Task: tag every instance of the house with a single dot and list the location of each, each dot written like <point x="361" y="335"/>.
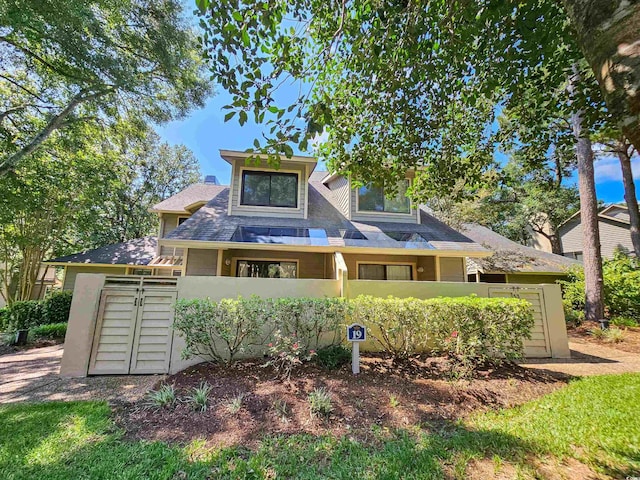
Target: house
<point x="614" y="226"/>
<point x="45" y="282"/>
<point x="512" y="262"/>
<point x="280" y="232"/>
<point x="286" y="223"/>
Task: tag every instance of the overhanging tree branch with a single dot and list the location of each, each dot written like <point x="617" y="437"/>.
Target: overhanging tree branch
<point x="55" y="123"/>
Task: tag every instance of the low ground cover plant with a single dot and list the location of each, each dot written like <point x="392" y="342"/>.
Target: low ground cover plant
<point x="333" y="357"/>
<point x="165" y="396"/>
<point x="320" y="404"/>
<point x="199" y="397"/>
<point x="51" y="331"/>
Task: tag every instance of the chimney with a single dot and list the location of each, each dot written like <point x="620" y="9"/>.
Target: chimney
<point x="211" y="180"/>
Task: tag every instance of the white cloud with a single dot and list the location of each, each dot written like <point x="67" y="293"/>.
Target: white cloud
<point x="607" y="169"/>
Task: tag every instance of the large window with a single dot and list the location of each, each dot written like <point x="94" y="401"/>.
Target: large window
<point x="266" y="269"/>
<point x="369" y="271"/>
<point x="373" y="199"/>
<point x="269" y="189"/>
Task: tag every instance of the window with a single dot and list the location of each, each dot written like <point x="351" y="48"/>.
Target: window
<point x="367" y="271"/>
<point x="181" y="220"/>
<point x="266" y="269"/>
<point x="269" y="189"/>
<point x="373" y="199"/>
<point x="575" y="255"/>
<point x="282" y="235"/>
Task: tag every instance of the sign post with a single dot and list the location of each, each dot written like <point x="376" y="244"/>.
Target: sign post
<point x="356" y="333"/>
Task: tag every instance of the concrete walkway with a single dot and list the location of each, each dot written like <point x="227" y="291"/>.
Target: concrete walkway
<point x="32" y="375"/>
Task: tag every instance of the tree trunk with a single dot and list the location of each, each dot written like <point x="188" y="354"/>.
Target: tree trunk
<point x="609" y="36"/>
<point x="556" y="244"/>
<point x="592" y="258"/>
<point x="630" y="197"/>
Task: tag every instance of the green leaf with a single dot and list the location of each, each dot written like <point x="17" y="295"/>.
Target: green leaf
<point x="237" y="16"/>
<point x="242" y="117"/>
<point x="229" y="116"/>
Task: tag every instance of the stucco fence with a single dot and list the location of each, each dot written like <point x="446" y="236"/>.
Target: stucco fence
<point x="122" y="325"/>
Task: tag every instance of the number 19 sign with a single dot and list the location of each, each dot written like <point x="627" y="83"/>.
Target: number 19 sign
<point x="356" y="333"/>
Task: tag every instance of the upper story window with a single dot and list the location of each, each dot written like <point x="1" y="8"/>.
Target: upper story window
<point x="269" y="189"/>
<point x="373" y="199"/>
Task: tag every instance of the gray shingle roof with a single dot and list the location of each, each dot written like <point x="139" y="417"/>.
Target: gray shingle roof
<point x="139" y="251"/>
<point x="212" y="224"/>
<point x="198" y="192"/>
<point x="512" y="257"/>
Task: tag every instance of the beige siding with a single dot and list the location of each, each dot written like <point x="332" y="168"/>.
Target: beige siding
<point x="70" y="277"/>
<point x="173" y="251"/>
<point x="201" y="261"/>
<point x="288" y="167"/>
<point x="341" y="189"/>
<point x="613" y="235"/>
<point x="452" y="269"/>
<point x="310" y="265"/>
<point x="168" y="223"/>
<point x="379" y="216"/>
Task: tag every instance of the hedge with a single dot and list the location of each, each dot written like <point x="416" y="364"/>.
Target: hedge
<point x="24" y="315"/>
<point x="472" y="329"/>
<point x="49" y="331"/>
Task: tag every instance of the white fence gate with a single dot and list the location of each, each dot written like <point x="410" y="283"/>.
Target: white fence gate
<point x="133" y="330"/>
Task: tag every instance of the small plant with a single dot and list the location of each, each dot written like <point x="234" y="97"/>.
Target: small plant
<point x="199" y="397"/>
<point x="609" y="335"/>
<point x="165" y="396"/>
<point x="50" y="331"/>
<point x="281" y="407"/>
<point x="393" y="401"/>
<point x="333" y="357"/>
<point x="235" y="404"/>
<point x="285" y="353"/>
<point x="624" y="322"/>
<point x="320" y="402"/>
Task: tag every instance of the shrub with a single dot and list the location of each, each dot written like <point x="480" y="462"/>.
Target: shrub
<point x="621" y="287"/>
<point x="471" y="329"/>
<point x="572" y="316"/>
<point x="398" y="325"/>
<point x="314" y="321"/>
<point x="624" y="322"/>
<point x="25" y="314"/>
<point x="49" y="331"/>
<point x="320" y="402"/>
<point x="4" y="319"/>
<point x="221" y="330"/>
<point x="165" y="396"/>
<point x="56" y="307"/>
<point x="285" y="353"/>
<point x="333" y="357"/>
<point x="609" y="335"/>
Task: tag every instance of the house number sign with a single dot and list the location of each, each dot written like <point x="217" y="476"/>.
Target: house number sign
<point x="356" y="333"/>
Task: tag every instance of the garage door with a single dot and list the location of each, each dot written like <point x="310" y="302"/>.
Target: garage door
<point x="538" y="345"/>
<point x="133" y="331"/>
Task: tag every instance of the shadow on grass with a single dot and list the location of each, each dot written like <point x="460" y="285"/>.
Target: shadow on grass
<point x="78" y="440"/>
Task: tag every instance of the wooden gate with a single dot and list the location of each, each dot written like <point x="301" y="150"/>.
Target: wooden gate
<point x="133" y="329"/>
<point x="538" y="345"/>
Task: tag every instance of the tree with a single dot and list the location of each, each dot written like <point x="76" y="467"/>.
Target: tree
<point x="609" y="36"/>
<point x="74" y="61"/>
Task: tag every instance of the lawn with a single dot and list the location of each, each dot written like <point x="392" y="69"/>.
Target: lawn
<point x="594" y="419"/>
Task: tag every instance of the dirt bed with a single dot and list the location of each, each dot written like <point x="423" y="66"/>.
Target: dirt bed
<point x="383" y="395"/>
<point x="630" y="341"/>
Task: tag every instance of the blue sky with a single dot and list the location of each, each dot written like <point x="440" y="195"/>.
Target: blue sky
<point x="205" y="133"/>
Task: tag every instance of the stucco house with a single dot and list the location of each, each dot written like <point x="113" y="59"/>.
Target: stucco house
<point x="614" y="226"/>
<point x="512" y="262"/>
<point x="286" y="223"/>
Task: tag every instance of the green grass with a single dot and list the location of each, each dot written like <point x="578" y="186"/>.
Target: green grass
<point x="78" y="440"/>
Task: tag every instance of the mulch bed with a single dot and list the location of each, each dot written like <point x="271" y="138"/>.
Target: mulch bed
<point x="630" y="342"/>
<point x="417" y="393"/>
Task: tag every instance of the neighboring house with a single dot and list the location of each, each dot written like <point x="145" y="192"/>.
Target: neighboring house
<point x="512" y="262"/>
<point x="614" y="226"/>
<point x="287" y="223"/>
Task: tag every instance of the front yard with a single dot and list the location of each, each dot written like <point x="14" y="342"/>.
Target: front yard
<point x="586" y="429"/>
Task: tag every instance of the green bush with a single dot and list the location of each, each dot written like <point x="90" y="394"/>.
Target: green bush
<point x="221" y="330"/>
<point x="333" y="357"/>
<point x="49" y="331"/>
<point x="314" y="321"/>
<point x="4" y="319"/>
<point x="471" y="329"/>
<point x="621" y="287"/>
<point x="56" y="307"/>
<point x="24" y="315"/>
<point x="624" y="322"/>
